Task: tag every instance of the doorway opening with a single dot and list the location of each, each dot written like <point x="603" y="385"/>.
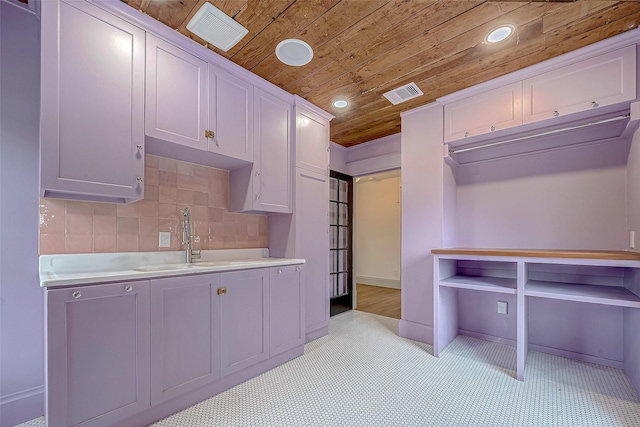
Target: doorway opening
<point x="377" y="226"/>
<point x="340" y="242"/>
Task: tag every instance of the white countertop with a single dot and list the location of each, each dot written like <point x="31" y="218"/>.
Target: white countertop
<point x="80" y="269"/>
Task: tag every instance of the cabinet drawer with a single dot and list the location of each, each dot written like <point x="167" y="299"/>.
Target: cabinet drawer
<point x="484" y="113"/>
<point x="601" y="81"/>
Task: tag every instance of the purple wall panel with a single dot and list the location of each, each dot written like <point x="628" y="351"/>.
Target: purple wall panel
<point x="591" y="329"/>
<point x="477" y="312"/>
<point x="21" y="299"/>
<point x="338" y="158"/>
<point x="422" y="217"/>
<point x="633" y="187"/>
<point x="582" y="206"/>
<point x="631" y="320"/>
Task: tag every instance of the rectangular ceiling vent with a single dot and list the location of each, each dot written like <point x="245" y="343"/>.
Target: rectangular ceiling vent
<point x="216" y="27"/>
<point x="403" y="93"/>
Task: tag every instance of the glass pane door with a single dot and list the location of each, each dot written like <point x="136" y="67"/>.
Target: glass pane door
<point x="340" y="220"/>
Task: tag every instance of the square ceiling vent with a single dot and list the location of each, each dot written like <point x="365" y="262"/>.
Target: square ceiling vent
<point x="403" y="93"/>
<point x="216" y="27"/>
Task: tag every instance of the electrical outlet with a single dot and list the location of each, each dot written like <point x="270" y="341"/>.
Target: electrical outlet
<point x="164" y="239"/>
<point x="632" y="240"/>
<point x="502" y="307"/>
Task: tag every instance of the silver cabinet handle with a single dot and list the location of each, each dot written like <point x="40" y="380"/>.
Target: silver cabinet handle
<point x="297" y="268"/>
<point x="128" y="288"/>
<point x="279" y="271"/>
<point x="139" y="147"/>
<point x="257" y="197"/>
<point x="493" y="128"/>
<point x="77" y="294"/>
<point x="139" y="180"/>
<point x="556" y="114"/>
<point x="594" y="104"/>
<point x="466" y="134"/>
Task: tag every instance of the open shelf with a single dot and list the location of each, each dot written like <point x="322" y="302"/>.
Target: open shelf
<point x="608" y="295"/>
<point x="481" y="283"/>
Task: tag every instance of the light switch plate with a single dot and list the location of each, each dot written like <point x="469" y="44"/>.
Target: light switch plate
<point x="164" y="239"/>
<point x="502" y="307"/>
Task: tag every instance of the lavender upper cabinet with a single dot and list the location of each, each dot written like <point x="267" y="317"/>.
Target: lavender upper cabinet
<point x="598" y="82"/>
<point x="92" y="105"/>
<point x="312" y="141"/>
<point x="486" y="112"/>
<point x="177" y="88"/>
<point x="265" y="186"/>
<point x="244" y="319"/>
<point x="230" y="115"/>
<point x="185" y="335"/>
<point x="286" y="317"/>
<point x="97" y="353"/>
<point x="193" y="103"/>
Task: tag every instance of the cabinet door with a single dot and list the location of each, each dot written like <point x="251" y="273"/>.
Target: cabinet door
<point x="176" y="96"/>
<point x="97" y="344"/>
<point x="497" y="109"/>
<point x="92" y="104"/>
<point x="185" y="335"/>
<point x="286" y="323"/>
<point x="244" y="319"/>
<point x="272" y="155"/>
<point x="312" y="141"/>
<point x="312" y="244"/>
<point x="230" y="115"/>
<point x="598" y="82"/>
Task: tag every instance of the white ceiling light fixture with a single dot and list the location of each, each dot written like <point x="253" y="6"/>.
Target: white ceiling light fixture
<point x="499" y="34"/>
<point x="340" y="103"/>
<point x="216" y="27"/>
<point x="294" y="52"/>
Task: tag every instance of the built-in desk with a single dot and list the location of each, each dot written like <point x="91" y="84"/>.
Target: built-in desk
<point x="594" y="277"/>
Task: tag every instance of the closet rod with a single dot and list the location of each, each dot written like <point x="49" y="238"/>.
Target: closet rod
<point x="550" y="132"/>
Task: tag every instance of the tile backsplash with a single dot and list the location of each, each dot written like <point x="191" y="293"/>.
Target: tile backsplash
<point x="68" y="226"/>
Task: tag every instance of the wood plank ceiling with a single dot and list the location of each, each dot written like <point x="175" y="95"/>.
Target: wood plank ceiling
<point x="364" y="48"/>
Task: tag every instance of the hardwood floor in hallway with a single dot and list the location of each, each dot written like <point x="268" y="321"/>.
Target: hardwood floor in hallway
<point x="378" y="300"/>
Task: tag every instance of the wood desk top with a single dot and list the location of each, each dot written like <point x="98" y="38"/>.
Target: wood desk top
<point x="543" y="253"/>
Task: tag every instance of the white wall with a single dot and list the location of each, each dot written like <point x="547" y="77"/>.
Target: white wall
<point x="377" y="236"/>
<point x="21" y="298"/>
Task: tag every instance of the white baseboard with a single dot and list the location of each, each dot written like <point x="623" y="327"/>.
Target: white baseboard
<point x="379" y="281"/>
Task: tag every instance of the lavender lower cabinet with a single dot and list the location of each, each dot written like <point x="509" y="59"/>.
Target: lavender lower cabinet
<point x="185" y="335"/>
<point x="97" y="340"/>
<point x="244" y="319"/>
<point x="286" y="317"/>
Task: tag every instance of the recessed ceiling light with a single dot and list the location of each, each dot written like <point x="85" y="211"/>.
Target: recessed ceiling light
<point x="294" y="52"/>
<point x="340" y="103"/>
<point x="499" y="34"/>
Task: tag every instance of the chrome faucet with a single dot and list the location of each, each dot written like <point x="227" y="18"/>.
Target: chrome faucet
<point x="186" y="236"/>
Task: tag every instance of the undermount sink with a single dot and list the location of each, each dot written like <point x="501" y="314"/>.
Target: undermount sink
<point x="217" y="263"/>
<point x="187" y="266"/>
<point x="165" y="267"/>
